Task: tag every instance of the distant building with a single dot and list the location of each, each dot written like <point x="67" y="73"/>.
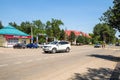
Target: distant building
<point x="68" y="32"/>
<point x="77" y="33"/>
<point x="10" y="36"/>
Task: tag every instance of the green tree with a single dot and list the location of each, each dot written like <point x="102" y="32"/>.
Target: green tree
<point x="104" y="32"/>
<point x="39" y="27"/>
<point x="26" y="27"/>
<point x="83" y="40"/>
<point x="112" y="15"/>
<point x="1" y="26"/>
<point x="53" y="28"/>
<point x="93" y="40"/>
<point x="55" y="24"/>
<point x="80" y="39"/>
<point x="13" y="24"/>
<point x="62" y="35"/>
<point x="38" y="24"/>
<point x="72" y="37"/>
<point x="87" y="40"/>
<point x="48" y="29"/>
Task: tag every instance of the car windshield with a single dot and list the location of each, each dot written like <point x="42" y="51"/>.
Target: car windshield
<point x="97" y="44"/>
<point x="54" y="42"/>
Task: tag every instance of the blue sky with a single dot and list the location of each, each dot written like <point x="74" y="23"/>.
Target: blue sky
<point x="81" y="15"/>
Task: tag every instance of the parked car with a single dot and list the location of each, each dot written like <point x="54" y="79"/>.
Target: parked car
<point x="117" y="44"/>
<point x="57" y="46"/>
<point x="41" y="45"/>
<point x="19" y="45"/>
<point x="97" y="45"/>
<point x="32" y="45"/>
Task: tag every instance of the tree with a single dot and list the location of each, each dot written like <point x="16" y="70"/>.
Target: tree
<point x="104" y="32"/>
<point x="48" y="29"/>
<point x="53" y="28"/>
<point x="80" y="39"/>
<point x="62" y="35"/>
<point x="26" y="27"/>
<point x="72" y="37"/>
<point x="95" y="38"/>
<point x="38" y="24"/>
<point x="39" y="27"/>
<point x="112" y="15"/>
<point x="1" y="26"/>
<point x="13" y="24"/>
<point x="55" y="24"/>
<point x="83" y="40"/>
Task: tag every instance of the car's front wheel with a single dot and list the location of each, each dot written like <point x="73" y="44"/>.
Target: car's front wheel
<point x="54" y="50"/>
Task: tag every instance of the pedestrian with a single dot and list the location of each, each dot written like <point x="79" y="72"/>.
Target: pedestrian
<point x="103" y="44"/>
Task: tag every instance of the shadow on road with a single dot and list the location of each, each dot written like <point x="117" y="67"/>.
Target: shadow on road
<point x="107" y="57"/>
<point x="94" y="74"/>
<point x="102" y="73"/>
<point x="116" y="72"/>
<point x="54" y="53"/>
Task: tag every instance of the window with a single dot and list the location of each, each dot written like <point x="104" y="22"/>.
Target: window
<point x="12" y="40"/>
<point x="62" y="42"/>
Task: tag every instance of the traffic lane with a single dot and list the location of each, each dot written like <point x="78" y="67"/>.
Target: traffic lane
<point x="11" y="55"/>
<point x="40" y="67"/>
<point x="25" y="55"/>
<point x="30" y="58"/>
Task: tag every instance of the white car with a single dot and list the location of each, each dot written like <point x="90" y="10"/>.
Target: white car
<point x="56" y="46"/>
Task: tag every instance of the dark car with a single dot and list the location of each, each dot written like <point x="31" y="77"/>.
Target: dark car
<point x="19" y="46"/>
<point x="117" y="44"/>
<point x="97" y="45"/>
<point x="32" y="45"/>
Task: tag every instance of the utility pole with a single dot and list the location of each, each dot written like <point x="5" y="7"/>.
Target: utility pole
<point x="31" y="34"/>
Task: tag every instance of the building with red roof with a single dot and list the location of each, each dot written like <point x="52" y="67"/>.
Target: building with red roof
<point x="77" y="33"/>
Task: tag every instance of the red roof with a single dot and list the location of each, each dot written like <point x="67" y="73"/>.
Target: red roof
<point x="77" y="33"/>
<point x="68" y="32"/>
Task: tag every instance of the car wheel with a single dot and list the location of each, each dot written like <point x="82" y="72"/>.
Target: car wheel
<point x="67" y="49"/>
<point x="45" y="51"/>
<point x="54" y="50"/>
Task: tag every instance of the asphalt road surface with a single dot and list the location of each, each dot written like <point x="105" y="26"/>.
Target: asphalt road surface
<point x="33" y="64"/>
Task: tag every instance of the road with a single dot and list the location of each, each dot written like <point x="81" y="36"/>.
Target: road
<point x="33" y="64"/>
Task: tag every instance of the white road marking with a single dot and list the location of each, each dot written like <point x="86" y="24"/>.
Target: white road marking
<point x="3" y="65"/>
